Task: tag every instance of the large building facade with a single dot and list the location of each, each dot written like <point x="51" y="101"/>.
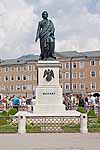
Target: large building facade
<point x="79" y="73"/>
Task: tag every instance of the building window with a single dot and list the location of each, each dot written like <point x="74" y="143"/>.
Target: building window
<point x="67" y="86"/>
<point x="74" y="65"/>
<point x="18" y="87"/>
<point x="18" y="68"/>
<point x="18" y="78"/>
<point x="29" y="77"/>
<point x="30" y="68"/>
<point x="81" y="75"/>
<point x="12" y="88"/>
<point x="12" y="78"/>
<point x="6" y="78"/>
<point x="6" y="88"/>
<point x="12" y="68"/>
<point x="82" y="86"/>
<point x="24" y="68"/>
<point x="81" y="64"/>
<point x="24" y="77"/>
<point x="6" y="69"/>
<point x="74" y="75"/>
<point x="92" y="63"/>
<point x="67" y="65"/>
<point x="24" y="87"/>
<point x="29" y="87"/>
<point x="93" y="85"/>
<point x="67" y="75"/>
<point x="74" y="86"/>
<point x="93" y="74"/>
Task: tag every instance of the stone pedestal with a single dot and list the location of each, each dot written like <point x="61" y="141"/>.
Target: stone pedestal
<point x="22" y="124"/>
<point x="83" y="123"/>
<point x="48" y="93"/>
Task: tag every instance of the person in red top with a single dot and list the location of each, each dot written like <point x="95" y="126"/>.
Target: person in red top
<point x="4" y="102"/>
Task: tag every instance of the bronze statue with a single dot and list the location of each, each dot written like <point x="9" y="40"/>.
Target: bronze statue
<point x="45" y="33"/>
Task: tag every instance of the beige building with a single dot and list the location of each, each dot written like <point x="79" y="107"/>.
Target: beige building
<point x="80" y="72"/>
<point x="18" y="77"/>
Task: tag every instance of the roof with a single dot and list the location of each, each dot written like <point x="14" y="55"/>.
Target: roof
<point x="92" y="54"/>
<point x="64" y="55"/>
<point x="70" y="54"/>
<point x="29" y="57"/>
<point x="19" y="61"/>
<point x="11" y="62"/>
<point x="76" y="54"/>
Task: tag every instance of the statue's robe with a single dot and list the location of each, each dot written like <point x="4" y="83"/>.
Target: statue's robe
<point x="45" y="32"/>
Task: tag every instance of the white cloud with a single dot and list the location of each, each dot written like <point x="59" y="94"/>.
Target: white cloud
<point x="45" y="2"/>
<point x="16" y="29"/>
<point x="76" y="27"/>
<point x="93" y="43"/>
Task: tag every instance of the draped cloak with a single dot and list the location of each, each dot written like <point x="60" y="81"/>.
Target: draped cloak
<point x="45" y="33"/>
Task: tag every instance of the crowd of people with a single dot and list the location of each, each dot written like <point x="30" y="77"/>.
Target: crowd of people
<point x="75" y="100"/>
<point x="71" y="101"/>
<point x="15" y="102"/>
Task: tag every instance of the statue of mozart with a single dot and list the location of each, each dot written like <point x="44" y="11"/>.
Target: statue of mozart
<point x="45" y="32"/>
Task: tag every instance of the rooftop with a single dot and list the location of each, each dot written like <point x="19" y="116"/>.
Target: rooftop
<point x="66" y="54"/>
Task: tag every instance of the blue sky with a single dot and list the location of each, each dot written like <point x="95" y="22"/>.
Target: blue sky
<point x="77" y="24"/>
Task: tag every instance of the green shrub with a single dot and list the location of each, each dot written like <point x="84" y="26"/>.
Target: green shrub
<point x="71" y="129"/>
<point x="33" y="129"/>
<point x="12" y="111"/>
<point x="8" y="129"/>
<point x="94" y="125"/>
<point x="4" y="113"/>
<point x="81" y="110"/>
<point x="98" y="120"/>
<point x="3" y="121"/>
<point x="94" y="129"/>
<point x="91" y="113"/>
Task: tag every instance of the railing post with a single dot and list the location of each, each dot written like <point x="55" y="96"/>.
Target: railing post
<point x="99" y="110"/>
<point x="21" y="124"/>
<point x="83" y="123"/>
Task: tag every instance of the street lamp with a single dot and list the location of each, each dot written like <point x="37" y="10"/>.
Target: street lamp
<point x="71" y="74"/>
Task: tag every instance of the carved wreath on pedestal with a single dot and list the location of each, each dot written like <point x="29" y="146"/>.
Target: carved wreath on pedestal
<point x="48" y="74"/>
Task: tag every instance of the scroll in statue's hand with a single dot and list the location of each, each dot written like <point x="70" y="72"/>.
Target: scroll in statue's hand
<point x="36" y="39"/>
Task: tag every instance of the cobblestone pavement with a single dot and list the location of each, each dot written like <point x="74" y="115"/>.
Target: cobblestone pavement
<point x="50" y="141"/>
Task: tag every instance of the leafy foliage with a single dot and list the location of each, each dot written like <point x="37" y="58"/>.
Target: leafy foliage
<point x="3" y="121"/>
<point x="8" y="129"/>
<point x="33" y="128"/>
<point x="71" y="128"/>
<point x="91" y="113"/>
<point x="81" y="110"/>
<point x="4" y="113"/>
<point x="12" y="111"/>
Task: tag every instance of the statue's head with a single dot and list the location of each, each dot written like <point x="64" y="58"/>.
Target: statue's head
<point x="45" y="15"/>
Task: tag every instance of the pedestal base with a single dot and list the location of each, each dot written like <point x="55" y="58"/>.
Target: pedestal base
<point x="49" y="100"/>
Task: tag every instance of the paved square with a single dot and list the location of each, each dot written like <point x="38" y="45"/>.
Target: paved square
<point x="50" y="141"/>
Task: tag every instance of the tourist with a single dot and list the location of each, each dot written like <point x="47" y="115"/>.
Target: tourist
<point x="16" y="102"/>
<point x="81" y="101"/>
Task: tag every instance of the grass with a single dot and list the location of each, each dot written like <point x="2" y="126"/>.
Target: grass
<point x="33" y="129"/>
<point x="8" y="129"/>
<point x="94" y="129"/>
<point x="71" y="128"/>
